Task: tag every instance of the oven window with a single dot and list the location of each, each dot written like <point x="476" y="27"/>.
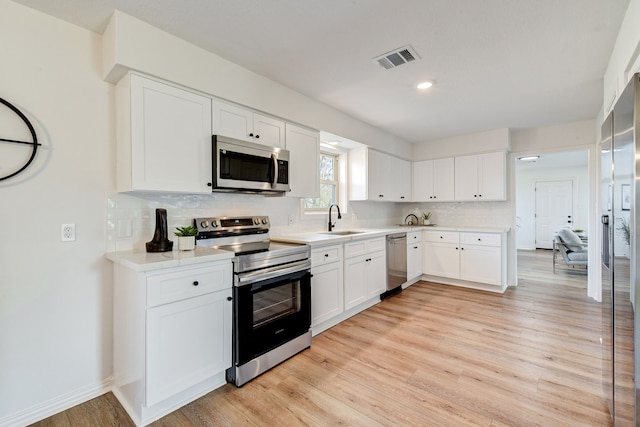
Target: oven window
<point x="272" y="304"/>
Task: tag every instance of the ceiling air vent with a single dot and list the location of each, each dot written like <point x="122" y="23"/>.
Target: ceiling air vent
<point x="397" y="57"/>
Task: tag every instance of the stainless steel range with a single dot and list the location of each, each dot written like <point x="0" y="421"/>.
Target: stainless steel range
<point x="272" y="293"/>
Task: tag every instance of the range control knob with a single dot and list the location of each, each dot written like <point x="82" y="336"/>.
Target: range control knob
<point x="214" y="224"/>
<point x="204" y="224"/>
<point x="256" y="221"/>
<point x="264" y="221"/>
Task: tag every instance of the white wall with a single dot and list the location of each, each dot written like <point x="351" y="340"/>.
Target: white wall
<point x="554" y="138"/>
<point x="55" y="298"/>
<point x="493" y="140"/>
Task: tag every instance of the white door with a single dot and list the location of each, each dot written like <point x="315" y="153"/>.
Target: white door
<point x="554" y="210"/>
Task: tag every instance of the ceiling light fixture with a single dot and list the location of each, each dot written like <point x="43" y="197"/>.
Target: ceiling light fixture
<point x="529" y="158"/>
<point x="424" y="85"/>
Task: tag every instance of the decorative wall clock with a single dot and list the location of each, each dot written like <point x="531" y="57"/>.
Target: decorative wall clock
<point x="32" y="145"/>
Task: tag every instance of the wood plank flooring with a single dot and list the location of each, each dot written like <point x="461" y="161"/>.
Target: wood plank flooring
<point x="434" y="355"/>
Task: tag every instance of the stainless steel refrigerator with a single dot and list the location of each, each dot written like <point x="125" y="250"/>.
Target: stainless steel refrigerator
<point x="620" y="195"/>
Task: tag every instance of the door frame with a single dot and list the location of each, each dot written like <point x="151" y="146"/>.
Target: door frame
<point x="594" y="285"/>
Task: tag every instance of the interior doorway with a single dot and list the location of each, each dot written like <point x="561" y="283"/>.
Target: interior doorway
<point x="549" y="192"/>
<point x="553" y="210"/>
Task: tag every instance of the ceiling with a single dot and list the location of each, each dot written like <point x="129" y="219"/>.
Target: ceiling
<point x="495" y="63"/>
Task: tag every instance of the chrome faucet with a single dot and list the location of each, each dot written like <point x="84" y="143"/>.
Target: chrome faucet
<point x="339" y="216"/>
<point x="411" y="222"/>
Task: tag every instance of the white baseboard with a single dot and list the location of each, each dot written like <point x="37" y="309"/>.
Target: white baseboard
<point x="58" y="404"/>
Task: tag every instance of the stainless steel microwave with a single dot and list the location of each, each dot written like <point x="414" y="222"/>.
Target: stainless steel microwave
<point x="245" y="167"/>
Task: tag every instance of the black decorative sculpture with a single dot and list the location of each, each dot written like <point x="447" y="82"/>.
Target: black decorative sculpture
<point x="160" y="243"/>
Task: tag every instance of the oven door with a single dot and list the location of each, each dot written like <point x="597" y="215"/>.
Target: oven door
<point x="270" y="311"/>
<point x="244" y="166"/>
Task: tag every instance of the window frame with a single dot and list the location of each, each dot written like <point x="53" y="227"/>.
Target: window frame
<point x="340" y="174"/>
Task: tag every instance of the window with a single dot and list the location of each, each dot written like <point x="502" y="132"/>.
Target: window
<point x="329" y="183"/>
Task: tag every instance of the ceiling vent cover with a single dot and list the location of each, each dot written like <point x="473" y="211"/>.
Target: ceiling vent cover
<point x="397" y="57"/>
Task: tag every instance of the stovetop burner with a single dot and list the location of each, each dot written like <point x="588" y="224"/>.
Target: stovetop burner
<point x="248" y="239"/>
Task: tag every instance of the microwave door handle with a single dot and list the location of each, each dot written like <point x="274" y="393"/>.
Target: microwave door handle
<point x="275" y="170"/>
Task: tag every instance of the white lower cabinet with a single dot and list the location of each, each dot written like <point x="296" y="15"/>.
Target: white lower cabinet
<point x="327" y="290"/>
<point x="414" y="255"/>
<point x="466" y="258"/>
<point x="172" y="336"/>
<point x="365" y="271"/>
<point x="187" y="341"/>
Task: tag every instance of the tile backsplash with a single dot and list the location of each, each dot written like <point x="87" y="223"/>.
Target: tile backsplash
<point x="131" y="218"/>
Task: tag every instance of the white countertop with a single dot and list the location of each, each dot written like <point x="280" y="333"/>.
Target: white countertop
<point x="148" y="261"/>
<point x="318" y="238"/>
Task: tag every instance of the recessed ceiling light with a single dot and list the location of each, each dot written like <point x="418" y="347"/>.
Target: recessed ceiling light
<point x="529" y="158"/>
<point x="424" y="85"/>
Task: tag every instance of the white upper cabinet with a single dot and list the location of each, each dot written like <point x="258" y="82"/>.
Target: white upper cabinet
<point x="433" y="180"/>
<point x="378" y="176"/>
<point x="163" y="137"/>
<point x="400" y="180"/>
<point x="241" y="123"/>
<point x="304" y="148"/>
<point x="480" y="177"/>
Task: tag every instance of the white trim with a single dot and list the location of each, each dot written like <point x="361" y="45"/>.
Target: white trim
<point x="58" y="404"/>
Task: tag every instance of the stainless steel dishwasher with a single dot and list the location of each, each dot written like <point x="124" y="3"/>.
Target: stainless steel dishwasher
<point x="396" y="263"/>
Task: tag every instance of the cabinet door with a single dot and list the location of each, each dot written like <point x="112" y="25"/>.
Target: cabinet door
<point x="355" y="283"/>
<point x="423" y="182"/>
<point x="232" y="121"/>
<point x="187" y="342"/>
<point x="378" y="185"/>
<point x="492" y="176"/>
<point x="443" y="180"/>
<point x="327" y="292"/>
<point x="268" y="131"/>
<point x="170" y="138"/>
<point x="304" y="148"/>
<point x="400" y="178"/>
<point x="466" y="178"/>
<point x="481" y="264"/>
<point x="441" y="259"/>
<point x="376" y="274"/>
<point x="414" y="260"/>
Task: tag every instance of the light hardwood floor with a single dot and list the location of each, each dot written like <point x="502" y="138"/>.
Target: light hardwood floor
<point x="434" y="355"/>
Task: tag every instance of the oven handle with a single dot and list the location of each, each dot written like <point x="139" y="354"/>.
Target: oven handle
<point x="270" y="273"/>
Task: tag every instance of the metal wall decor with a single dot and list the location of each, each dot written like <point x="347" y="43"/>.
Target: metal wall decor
<point x="33" y="143"/>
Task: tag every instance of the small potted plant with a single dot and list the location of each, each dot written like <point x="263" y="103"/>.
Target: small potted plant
<point x="426" y="218"/>
<point x="186" y="237"/>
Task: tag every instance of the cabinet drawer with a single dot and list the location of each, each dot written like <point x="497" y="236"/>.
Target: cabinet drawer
<point x="414" y="237"/>
<point x="480" y="239"/>
<point x="441" y="236"/>
<point x="325" y="255"/>
<point x="186" y="283"/>
<point x="360" y="247"/>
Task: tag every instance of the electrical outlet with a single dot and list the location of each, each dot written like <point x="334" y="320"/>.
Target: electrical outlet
<point x="68" y="233"/>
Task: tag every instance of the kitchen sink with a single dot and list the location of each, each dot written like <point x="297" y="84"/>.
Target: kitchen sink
<point x="342" y="233"/>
